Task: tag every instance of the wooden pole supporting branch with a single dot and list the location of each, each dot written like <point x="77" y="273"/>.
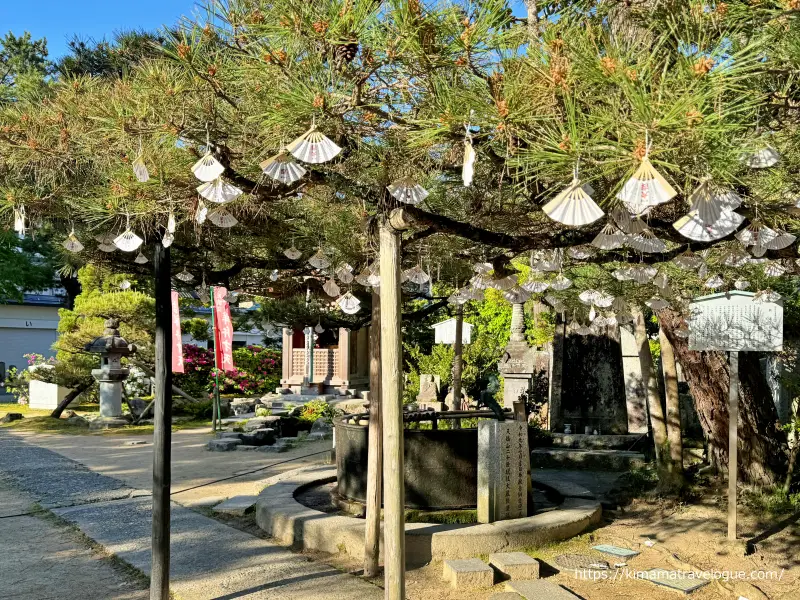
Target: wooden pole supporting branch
<point x="162" y="433"/>
<point x="391" y="401"/>
<point x="733" y="442"/>
<point x="372" y="537"/>
<point x="458" y="363"/>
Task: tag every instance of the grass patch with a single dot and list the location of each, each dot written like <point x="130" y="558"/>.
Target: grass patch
<point x="23" y="409"/>
<point x="46" y="424"/>
<point x="443" y="517"/>
<point x="772" y="501"/>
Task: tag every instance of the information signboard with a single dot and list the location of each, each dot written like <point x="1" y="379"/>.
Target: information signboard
<point x="736" y="321"/>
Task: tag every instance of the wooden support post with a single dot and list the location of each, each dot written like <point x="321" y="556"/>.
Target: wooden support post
<point x="162" y="433"/>
<point x="391" y="401"/>
<point x="458" y="364"/>
<point x="733" y="442"/>
<point x="372" y="537"/>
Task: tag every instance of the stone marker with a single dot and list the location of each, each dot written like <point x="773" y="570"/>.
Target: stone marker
<point x="137" y="406"/>
<point x="514" y="565"/>
<point x="237" y="505"/>
<point x="223" y="445"/>
<point x="674" y="580"/>
<point x="428" y="388"/>
<point x="540" y="589"/>
<point x="503" y="470"/>
<point x="468" y="573"/>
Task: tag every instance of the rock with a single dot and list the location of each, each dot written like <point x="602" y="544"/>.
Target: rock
<point x="468" y="573"/>
<point x="514" y="565"/>
<point x="137" y="406"/>
<point x="246" y="448"/>
<point x="68" y="414"/>
<point x="11" y="417"/>
<point x="241" y="409"/>
<point x="322" y="425"/>
<point x="260" y="423"/>
<point x="223" y="445"/>
<point x="237" y="505"/>
<point x="259" y="437"/>
<point x="540" y="589"/>
<point x="229" y="435"/>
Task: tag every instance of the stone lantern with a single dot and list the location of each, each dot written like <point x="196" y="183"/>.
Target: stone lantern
<point x="111" y="348"/>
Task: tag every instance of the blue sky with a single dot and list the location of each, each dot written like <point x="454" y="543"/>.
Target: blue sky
<point x="59" y="20"/>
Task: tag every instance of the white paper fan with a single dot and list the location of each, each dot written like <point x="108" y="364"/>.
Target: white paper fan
<point x="408" y="191"/>
<point x="761" y="159"/>
<point x="201" y="214"/>
<point x="596" y="297"/>
<point x="274" y="275"/>
<point x="171" y="222"/>
<point x="106" y="247"/>
<point x="622" y="274"/>
<point x="781" y="241"/>
<point x="758" y="250"/>
<point x="185" y="276"/>
<point x="416" y="275"/>
<point x="292" y="253"/>
<point x="573" y="206"/>
<point x="609" y="238"/>
<point x="714" y="282"/>
<point x="483" y="268"/>
<point x="313" y="147"/>
<point x="222" y="218"/>
<point x="766" y="296"/>
<point x="657" y="303"/>
<point x="505" y="283"/>
<point x="283" y="168"/>
<point x="619" y="305"/>
<point x="219" y="191"/>
<point x="622" y="217"/>
<point x="516" y="295"/>
<point x="661" y="280"/>
<point x="560" y="283"/>
<point x="345" y="273"/>
<point x="124" y="285"/>
<point x="688" y="260"/>
<point x="208" y="168"/>
<point x="642" y="273"/>
<point x="140" y="170"/>
<point x="331" y="288"/>
<point x="581" y="252"/>
<point x="646" y="188"/>
<point x="647" y="242"/>
<point x="349" y="304"/>
<point x="19" y="220"/>
<point x="140" y="259"/>
<point x="709" y="201"/>
<point x="319" y="260"/>
<point x="468" y="168"/>
<point x="536" y="287"/>
<point x="583" y="330"/>
<point x="774" y="269"/>
<point x="691" y="226"/>
<point x="636" y="226"/>
<point x="741" y="284"/>
<point x="72" y="243"/>
<point x="756" y="234"/>
<point x="128" y="241"/>
<point x="318" y="328"/>
<point x="167" y="240"/>
<point x="735" y="257"/>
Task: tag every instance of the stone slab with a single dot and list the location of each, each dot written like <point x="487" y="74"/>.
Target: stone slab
<point x="503" y="470"/>
<point x="615" y="551"/>
<point x="580" y="562"/>
<point x="506" y="596"/>
<point x="540" y="589"/>
<point x="469" y="573"/>
<point x="674" y="580"/>
<point x="246" y="448"/>
<point x="223" y="445"/>
<point x="515" y="565"/>
<point x="237" y="505"/>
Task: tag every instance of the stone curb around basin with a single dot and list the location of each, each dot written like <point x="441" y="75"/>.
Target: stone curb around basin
<point x="281" y="516"/>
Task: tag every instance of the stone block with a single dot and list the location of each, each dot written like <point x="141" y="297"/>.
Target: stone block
<point x="237" y="505"/>
<point x="223" y="445"/>
<point x="503" y="470"/>
<point x="246" y="448"/>
<point x="539" y="589"/>
<point x="260" y="423"/>
<point x="229" y="435"/>
<point x="108" y="423"/>
<point x="506" y="596"/>
<point x="514" y="565"/>
<point x="468" y="573"/>
<point x="259" y="437"/>
<point x="47" y="396"/>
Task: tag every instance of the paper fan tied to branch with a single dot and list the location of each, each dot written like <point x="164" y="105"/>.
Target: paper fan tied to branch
<point x="574" y="206"/>
<point x="647" y="188"/>
<point x="313" y="147"/>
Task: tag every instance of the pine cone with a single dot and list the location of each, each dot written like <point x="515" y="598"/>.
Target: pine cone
<point x="346" y="52"/>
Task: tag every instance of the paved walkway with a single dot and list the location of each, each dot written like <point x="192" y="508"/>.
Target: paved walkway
<point x="209" y="559"/>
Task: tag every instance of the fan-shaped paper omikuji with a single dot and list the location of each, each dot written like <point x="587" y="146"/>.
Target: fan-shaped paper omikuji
<point x="646" y="242"/>
<point x="283" y="168"/>
<point x="313" y="147"/>
<point x="781" y="241"/>
<point x="609" y="238"/>
<point x="140" y="170"/>
<point x="72" y="243"/>
<point x="128" y="241"/>
<point x="573" y="206"/>
<point x="468" y="168"/>
<point x="756" y="234"/>
<point x="709" y="202"/>
<point x="140" y="259"/>
<point x="761" y="159"/>
<point x="560" y="283"/>
<point x="222" y="218"/>
<point x="292" y="253"/>
<point x="208" y="168"/>
<point x="408" y="191"/>
<point x="416" y="275"/>
<point x="693" y="227"/>
<point x="319" y="260"/>
<point x="741" y="284"/>
<point x="688" y="260"/>
<point x="646" y="188"/>
<point x="536" y="287"/>
<point x="219" y="191"/>
<point x="201" y="214"/>
<point x="349" y="304"/>
<point x="345" y="273"/>
<point x="331" y="288"/>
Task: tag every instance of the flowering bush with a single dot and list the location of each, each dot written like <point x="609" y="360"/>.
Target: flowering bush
<point x="257" y="371"/>
<point x="39" y="368"/>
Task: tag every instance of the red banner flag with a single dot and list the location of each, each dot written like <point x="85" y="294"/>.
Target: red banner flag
<point x="177" y="339"/>
<point x="223" y="330"/>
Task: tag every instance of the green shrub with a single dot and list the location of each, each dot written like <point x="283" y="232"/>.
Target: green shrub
<point x="261" y="411"/>
<point x="316" y="409"/>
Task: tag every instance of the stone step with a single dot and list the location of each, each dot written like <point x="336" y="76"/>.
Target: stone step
<point x="514" y="565"/>
<point x="596" y="442"/>
<point x="468" y="573"/>
<point x="540" y="589"/>
<point x="236" y="505"/>
<point x="577" y="458"/>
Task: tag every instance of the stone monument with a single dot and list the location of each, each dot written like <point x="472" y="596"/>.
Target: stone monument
<point x="503" y="470"/>
<point x="111" y="348"/>
<point x="428" y="396"/>
<point x="517" y="364"/>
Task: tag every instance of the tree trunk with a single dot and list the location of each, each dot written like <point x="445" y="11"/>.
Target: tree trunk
<point x="372" y="536"/>
<point x="762" y="444"/>
<point x="532" y="7"/>
<point x="56" y="414"/>
<point x="658" y="422"/>
<point x="673" y="406"/>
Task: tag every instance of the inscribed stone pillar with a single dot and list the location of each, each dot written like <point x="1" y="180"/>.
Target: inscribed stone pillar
<point x="345" y="339"/>
<point x="635" y="393"/>
<point x="503" y="470"/>
<point x="517" y="364"/>
<point x="555" y="418"/>
<point x="286" y="356"/>
<point x="362" y="352"/>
